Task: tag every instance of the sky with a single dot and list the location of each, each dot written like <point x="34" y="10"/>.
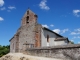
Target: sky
<point x="61" y="16"/>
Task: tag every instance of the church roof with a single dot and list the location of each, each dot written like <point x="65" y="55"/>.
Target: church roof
<point x="52" y="32"/>
<point x="61" y="39"/>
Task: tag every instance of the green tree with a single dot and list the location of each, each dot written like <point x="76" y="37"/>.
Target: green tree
<point x="4" y="50"/>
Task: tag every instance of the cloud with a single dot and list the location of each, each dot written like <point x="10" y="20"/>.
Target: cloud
<point x="11" y="7"/>
<point x="57" y="30"/>
<point x="72" y="40"/>
<point x="45" y="26"/>
<point x="77" y="29"/>
<point x="3" y="8"/>
<point x="75" y="12"/>
<point x="52" y="25"/>
<point x="1" y="3"/>
<point x="65" y="30"/>
<point x="76" y="32"/>
<point x="1" y="19"/>
<point x="73" y="33"/>
<point x="79" y="42"/>
<point x="60" y="31"/>
<point x="43" y="5"/>
<point x="76" y="37"/>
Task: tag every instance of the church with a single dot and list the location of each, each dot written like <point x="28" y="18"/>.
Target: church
<point x="31" y="34"/>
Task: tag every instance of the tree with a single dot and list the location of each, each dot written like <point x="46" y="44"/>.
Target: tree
<point x="4" y="50"/>
<point x="71" y="42"/>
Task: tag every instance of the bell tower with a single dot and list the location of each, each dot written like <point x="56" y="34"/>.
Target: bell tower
<point x="29" y="18"/>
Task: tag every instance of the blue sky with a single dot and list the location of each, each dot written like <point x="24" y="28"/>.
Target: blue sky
<point x="61" y="16"/>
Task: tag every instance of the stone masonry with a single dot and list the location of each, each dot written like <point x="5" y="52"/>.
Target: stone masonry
<point x="33" y="35"/>
<point x="66" y="52"/>
<point x="28" y="35"/>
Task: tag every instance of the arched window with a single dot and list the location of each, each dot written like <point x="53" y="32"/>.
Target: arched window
<point x="27" y="19"/>
<point x="47" y="38"/>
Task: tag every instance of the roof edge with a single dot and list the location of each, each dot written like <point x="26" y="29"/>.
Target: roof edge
<point x="52" y="31"/>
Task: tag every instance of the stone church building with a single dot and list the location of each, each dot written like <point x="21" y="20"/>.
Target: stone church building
<point x="31" y="34"/>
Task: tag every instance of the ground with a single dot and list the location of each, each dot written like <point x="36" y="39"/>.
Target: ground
<point x="20" y="56"/>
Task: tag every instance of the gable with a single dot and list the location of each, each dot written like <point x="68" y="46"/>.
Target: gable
<point x="52" y="32"/>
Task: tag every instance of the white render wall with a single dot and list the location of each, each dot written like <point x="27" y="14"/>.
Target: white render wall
<point x="61" y="42"/>
<point x="44" y="34"/>
<point x="52" y="37"/>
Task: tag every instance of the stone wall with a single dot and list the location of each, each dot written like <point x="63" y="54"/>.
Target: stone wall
<point x="38" y="35"/>
<point x="68" y="52"/>
<point x="28" y="35"/>
<point x="14" y="42"/>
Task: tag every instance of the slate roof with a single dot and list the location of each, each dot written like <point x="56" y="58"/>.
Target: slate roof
<point x="52" y="32"/>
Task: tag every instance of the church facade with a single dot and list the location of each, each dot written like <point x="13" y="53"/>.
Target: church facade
<point x="31" y="34"/>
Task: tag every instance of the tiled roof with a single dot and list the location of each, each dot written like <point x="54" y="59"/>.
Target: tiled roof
<point x="60" y="39"/>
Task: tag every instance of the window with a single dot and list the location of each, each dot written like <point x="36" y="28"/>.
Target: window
<point x="27" y="19"/>
<point x="47" y="38"/>
<point x="27" y="12"/>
